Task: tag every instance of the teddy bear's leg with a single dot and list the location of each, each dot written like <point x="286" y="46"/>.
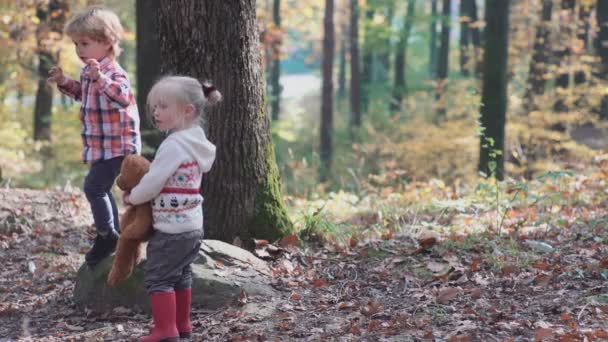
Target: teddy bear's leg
<point x="124" y="261"/>
<point x="141" y="226"/>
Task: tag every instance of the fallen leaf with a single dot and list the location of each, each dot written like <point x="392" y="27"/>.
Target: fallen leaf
<point x="543" y="334"/>
<point x="289" y="240"/>
<point x="446" y="295"/>
<point x="260" y="243"/>
<point x="345" y="305"/>
<point x="373" y="307"/>
<point x="242" y="297"/>
<point x="295" y="296"/>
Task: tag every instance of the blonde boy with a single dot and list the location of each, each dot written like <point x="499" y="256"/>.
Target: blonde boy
<point x="109" y="116"/>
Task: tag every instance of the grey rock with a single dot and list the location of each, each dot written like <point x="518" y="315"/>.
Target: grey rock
<point x="220" y="273"/>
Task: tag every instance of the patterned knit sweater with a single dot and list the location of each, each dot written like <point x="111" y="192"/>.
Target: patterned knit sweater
<point x="174" y="180"/>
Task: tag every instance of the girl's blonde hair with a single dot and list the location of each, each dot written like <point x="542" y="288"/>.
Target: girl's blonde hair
<point x="185" y="90"/>
<point x="100" y="24"/>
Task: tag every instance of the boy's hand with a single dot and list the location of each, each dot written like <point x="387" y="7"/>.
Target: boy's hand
<point x="93" y="69"/>
<point x="56" y="75"/>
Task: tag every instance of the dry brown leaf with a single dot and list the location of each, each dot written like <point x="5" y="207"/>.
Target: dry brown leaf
<point x="345" y="305"/>
<point x="295" y="296"/>
<point x="447" y="294"/>
<point x="289" y="240"/>
<point x="373" y="307"/>
<point x="543" y="334"/>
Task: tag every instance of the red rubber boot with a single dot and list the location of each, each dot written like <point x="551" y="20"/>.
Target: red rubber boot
<point x="183" y="300"/>
<point x="163" y="313"/>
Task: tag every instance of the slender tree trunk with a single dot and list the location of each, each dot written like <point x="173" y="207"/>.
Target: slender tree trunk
<point x="242" y="192"/>
<point x="52" y="17"/>
<point x="148" y="68"/>
<point x="540" y="58"/>
<point x="433" y="40"/>
<point x="327" y="95"/>
<point x="275" y="62"/>
<point x="563" y="53"/>
<point x="355" y="74"/>
<point x="475" y="36"/>
<point x="582" y="35"/>
<point x="494" y="90"/>
<point x="465" y="18"/>
<point x="384" y="59"/>
<point x="602" y="50"/>
<point x="400" y="87"/>
<point x="443" y="65"/>
<point x="368" y="60"/>
<point x="342" y="67"/>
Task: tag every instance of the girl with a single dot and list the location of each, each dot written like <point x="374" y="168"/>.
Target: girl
<point x="172" y="185"/>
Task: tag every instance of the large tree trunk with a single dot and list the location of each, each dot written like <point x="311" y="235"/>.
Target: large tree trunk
<point x="400" y="87"/>
<point x="602" y="51"/>
<point x="355" y="74"/>
<point x="49" y="33"/>
<point x="562" y="54"/>
<point x="494" y="91"/>
<point x="443" y="65"/>
<point x="327" y="92"/>
<point x="465" y="18"/>
<point x="275" y="62"/>
<point x="242" y="192"/>
<point x="540" y="58"/>
<point x="368" y="59"/>
<point x="433" y="40"/>
<point x="148" y="68"/>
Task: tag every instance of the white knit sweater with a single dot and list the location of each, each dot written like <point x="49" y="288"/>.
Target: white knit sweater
<point x="174" y="180"/>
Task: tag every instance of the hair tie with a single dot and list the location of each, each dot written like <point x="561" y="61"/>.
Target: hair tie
<point x="208" y="89"/>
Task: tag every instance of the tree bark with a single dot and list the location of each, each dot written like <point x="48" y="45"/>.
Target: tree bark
<point x="582" y="35"/>
<point x="443" y="65"/>
<point x="465" y="18"/>
<point x="148" y="68"/>
<point x="562" y="54"/>
<point x="342" y="67"/>
<point x="602" y="50"/>
<point x="52" y="18"/>
<point x="327" y="92"/>
<point x="400" y="87"/>
<point x="242" y="190"/>
<point x="540" y="58"/>
<point x="433" y="40"/>
<point x="355" y="74"/>
<point x="475" y="36"/>
<point x="275" y="69"/>
<point x="494" y="89"/>
<point x="368" y="60"/>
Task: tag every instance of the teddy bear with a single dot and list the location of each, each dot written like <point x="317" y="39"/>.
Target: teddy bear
<point x="135" y="223"/>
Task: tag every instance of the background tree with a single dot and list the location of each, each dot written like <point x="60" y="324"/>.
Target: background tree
<point x="562" y="54"/>
<point x="400" y="86"/>
<point x="368" y="56"/>
<point x="275" y="61"/>
<point x="242" y="191"/>
<point x="148" y="68"/>
<point x="327" y="92"/>
<point x="540" y="57"/>
<point x="494" y="89"/>
<point x="465" y="19"/>
<point x="433" y="40"/>
<point x="355" y="80"/>
<point x="602" y="50"/>
<point x="52" y="16"/>
<point x="443" y="61"/>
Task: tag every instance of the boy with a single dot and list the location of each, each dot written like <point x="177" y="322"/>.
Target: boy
<point x="109" y="116"/>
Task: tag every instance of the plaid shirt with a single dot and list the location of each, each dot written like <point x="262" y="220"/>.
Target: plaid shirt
<point x="109" y="116"/>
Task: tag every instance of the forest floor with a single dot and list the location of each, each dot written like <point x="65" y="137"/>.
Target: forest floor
<point x="540" y="276"/>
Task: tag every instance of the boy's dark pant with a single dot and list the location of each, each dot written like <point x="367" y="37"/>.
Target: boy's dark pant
<point x="98" y="189"/>
<point x="168" y="259"/>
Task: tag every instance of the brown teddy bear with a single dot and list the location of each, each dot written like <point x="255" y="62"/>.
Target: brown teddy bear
<point x="135" y="223"/>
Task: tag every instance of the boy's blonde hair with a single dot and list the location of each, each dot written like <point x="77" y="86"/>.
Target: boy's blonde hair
<point x="185" y="90"/>
<point x="100" y="24"/>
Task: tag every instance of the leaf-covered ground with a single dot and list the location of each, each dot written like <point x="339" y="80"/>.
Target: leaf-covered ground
<point x="501" y="262"/>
